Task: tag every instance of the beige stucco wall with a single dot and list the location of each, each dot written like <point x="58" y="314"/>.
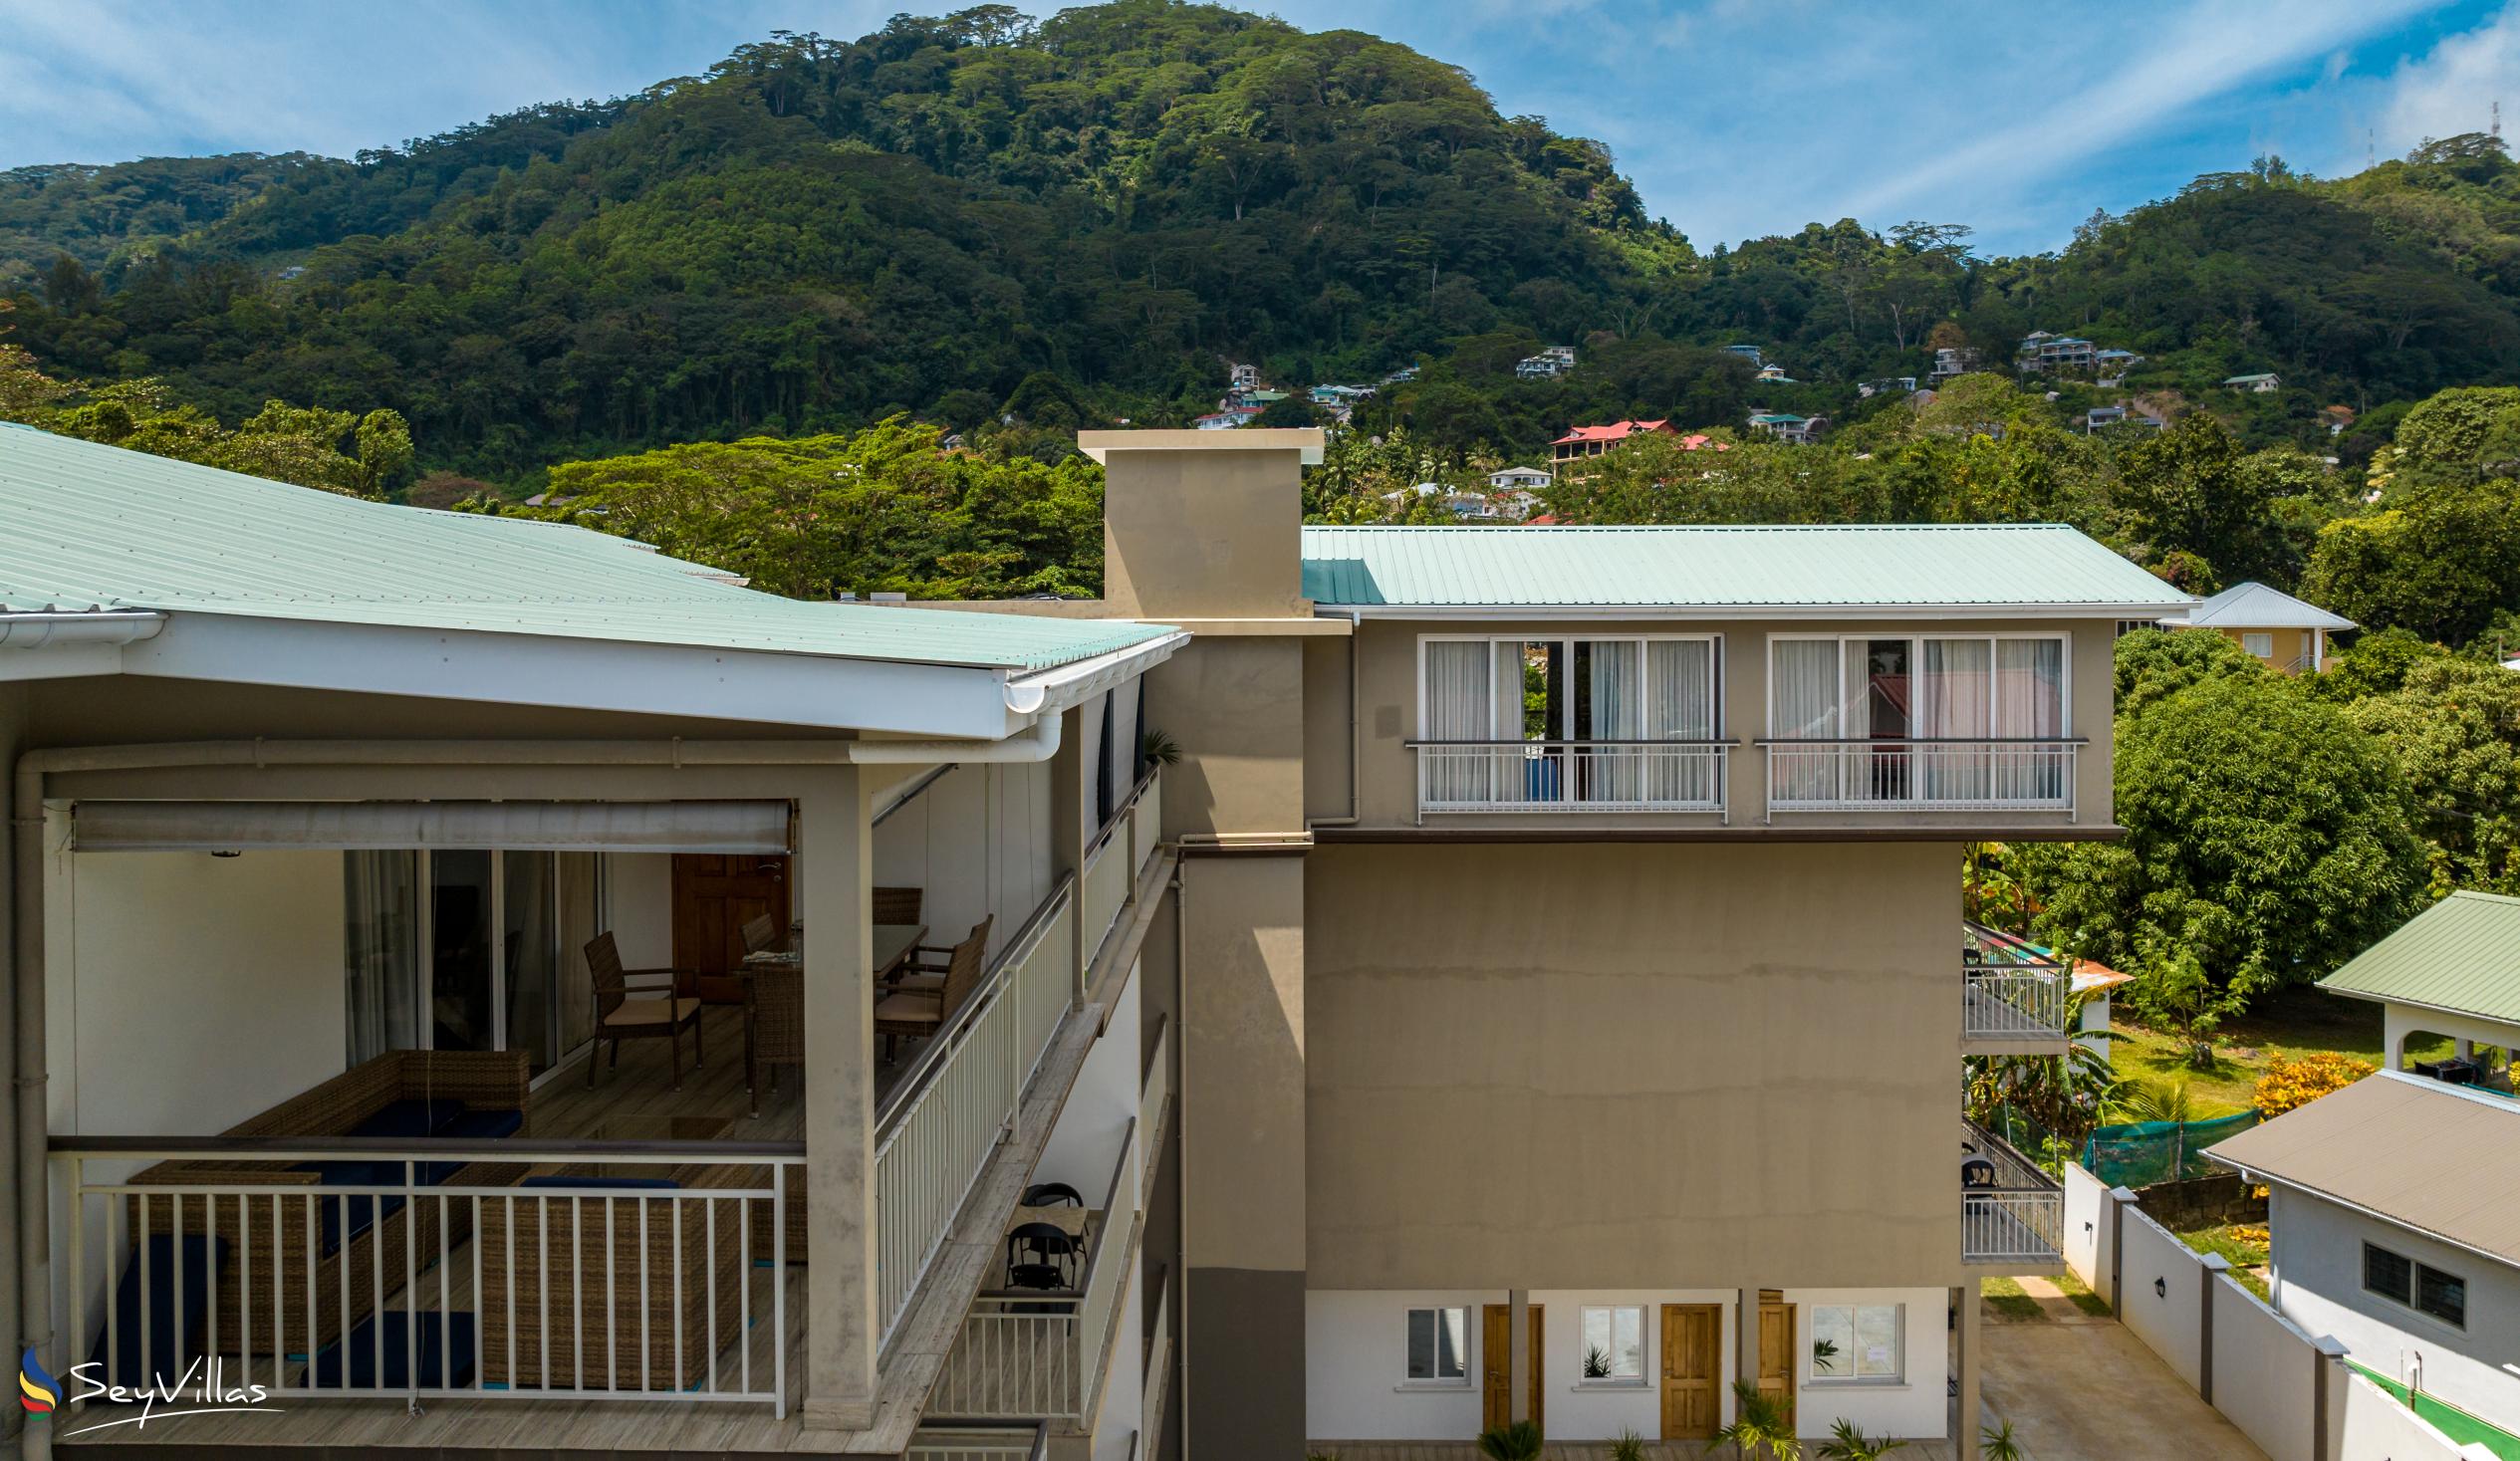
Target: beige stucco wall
<point x="1632" y="1066"/>
<point x="2289" y="644"/>
<point x="1234" y="705"/>
<point x="1206" y="532"/>
<point x="1388" y="670"/>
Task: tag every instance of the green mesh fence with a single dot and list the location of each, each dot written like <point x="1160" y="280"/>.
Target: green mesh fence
<point x="2158" y="1151"/>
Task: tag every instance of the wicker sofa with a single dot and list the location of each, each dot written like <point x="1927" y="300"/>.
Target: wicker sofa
<point x="466" y="1094"/>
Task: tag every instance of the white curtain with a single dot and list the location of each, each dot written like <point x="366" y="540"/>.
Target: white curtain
<point x="1614" y="677"/>
<point x="2029" y="704"/>
<point x="1517" y="774"/>
<point x="1457" y="708"/>
<point x="1680" y="706"/>
<point x="1803" y="704"/>
<point x="1951" y="701"/>
<point x="381" y="940"/>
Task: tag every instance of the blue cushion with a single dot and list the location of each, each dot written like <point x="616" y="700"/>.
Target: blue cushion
<point x="445" y="1359"/>
<point x="607" y="1183"/>
<point x="203" y="1256"/>
<point x="482" y="1126"/>
<point x="411" y="1118"/>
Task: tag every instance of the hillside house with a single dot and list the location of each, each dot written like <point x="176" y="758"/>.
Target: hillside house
<point x="2260" y="384"/>
<point x="1581" y="442"/>
<point x="2284" y="633"/>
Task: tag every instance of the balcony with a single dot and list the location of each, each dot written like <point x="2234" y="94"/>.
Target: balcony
<point x="1921" y="775"/>
<point x="1045" y="1353"/>
<point x="1571" y="775"/>
<point x="2017" y="1010"/>
<point x="2011" y="1213"/>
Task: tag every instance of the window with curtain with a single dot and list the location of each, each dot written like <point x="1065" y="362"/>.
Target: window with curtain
<point x="1977" y="705"/>
<point x="381" y="940"/>
<point x="1680" y="705"/>
<point x="1607" y="695"/>
<point x="1459" y="704"/>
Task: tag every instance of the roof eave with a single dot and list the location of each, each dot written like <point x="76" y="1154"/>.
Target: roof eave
<point x="1710" y="611"/>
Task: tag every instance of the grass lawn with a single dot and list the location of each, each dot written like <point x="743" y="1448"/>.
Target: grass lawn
<point x="2296" y="1021"/>
<point x="2244" y="1248"/>
<point x="2007" y="1298"/>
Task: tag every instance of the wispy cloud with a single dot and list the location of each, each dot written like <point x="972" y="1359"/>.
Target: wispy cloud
<point x="2453" y="88"/>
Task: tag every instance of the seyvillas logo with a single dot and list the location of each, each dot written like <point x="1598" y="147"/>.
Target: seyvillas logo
<point x="38" y="1391"/>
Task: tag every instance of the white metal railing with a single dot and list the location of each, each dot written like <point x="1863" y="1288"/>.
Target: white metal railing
<point x="965" y="1096"/>
<point x="1571" y="775"/>
<point x="426" y="1268"/>
<point x="1039" y="1353"/>
<point x="1922" y="775"/>
<point x="1105" y="885"/>
<point x="2015" y="1004"/>
<point x="2010" y="1210"/>
<point x="1148" y="830"/>
<point x="1152" y="1095"/>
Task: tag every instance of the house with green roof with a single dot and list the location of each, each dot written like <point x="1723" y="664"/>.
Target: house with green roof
<point x="350" y="846"/>
<point x="2450" y="972"/>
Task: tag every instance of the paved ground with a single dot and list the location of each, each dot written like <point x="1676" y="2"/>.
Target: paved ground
<point x="2089" y="1390"/>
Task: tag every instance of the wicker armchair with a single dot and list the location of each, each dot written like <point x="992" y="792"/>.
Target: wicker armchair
<point x="919" y="1007"/>
<point x="342" y="1232"/>
<point x="605" y="1278"/>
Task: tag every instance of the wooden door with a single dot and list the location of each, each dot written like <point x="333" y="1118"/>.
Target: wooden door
<point x="1693" y="1370"/>
<point x="1496" y="1364"/>
<point x="1776" y="1353"/>
<point x="713" y="896"/>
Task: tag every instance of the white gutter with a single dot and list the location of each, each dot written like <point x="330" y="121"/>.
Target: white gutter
<point x="50" y="629"/>
<point x="1047" y="691"/>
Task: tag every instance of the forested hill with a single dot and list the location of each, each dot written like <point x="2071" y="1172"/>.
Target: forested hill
<point x="1083" y="218"/>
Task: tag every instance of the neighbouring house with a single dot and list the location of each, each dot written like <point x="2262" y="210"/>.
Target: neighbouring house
<point x="1903" y="384"/>
<point x="2392" y="1233"/>
<point x="1775" y="376"/>
<point x="2282" y="631"/>
<point x="2261" y="384"/>
<point x="340" y="823"/>
<point x="2336" y="418"/>
<point x="1587" y="441"/>
<point x="1550" y="363"/>
<point x="2099" y="416"/>
<point x="1242" y="378"/>
<point x="1787" y="427"/>
<point x="2014" y="981"/>
<point x="2391" y="1230"/>
<point x="1402" y="375"/>
<point x="2111" y="366"/>
<point x="1748" y="353"/>
<point x="1950" y="361"/>
<point x="1228" y="418"/>
<point x="1519" y="479"/>
<point x="2041" y="350"/>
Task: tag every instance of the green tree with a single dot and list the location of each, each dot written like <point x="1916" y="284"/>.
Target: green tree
<point x="2153" y="665"/>
<point x="2266" y="836"/>
<point x="2454" y="727"/>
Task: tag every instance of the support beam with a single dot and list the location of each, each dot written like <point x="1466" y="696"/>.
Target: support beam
<point x="1966" y="1444"/>
<point x="844" y="1326"/>
<point x="1518" y="1376"/>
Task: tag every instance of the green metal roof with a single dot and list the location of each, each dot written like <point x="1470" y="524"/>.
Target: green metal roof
<point x="2462" y="954"/>
<point x="2034" y="566"/>
<point x="90" y="527"/>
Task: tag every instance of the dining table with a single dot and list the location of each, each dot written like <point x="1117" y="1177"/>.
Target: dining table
<point x="891" y="947"/>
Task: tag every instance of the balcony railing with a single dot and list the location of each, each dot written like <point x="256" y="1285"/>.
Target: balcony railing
<point x="1922" y="775"/>
<point x="520" y="1269"/>
<point x="955" y="1440"/>
<point x="1154" y="1094"/>
<point x="2015" y="1004"/>
<point x="2010" y="1210"/>
<point x="1039" y="1354"/>
<point x="1571" y="775"/>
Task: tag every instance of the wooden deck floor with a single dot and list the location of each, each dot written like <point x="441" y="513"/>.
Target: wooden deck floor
<point x="564" y="1108"/>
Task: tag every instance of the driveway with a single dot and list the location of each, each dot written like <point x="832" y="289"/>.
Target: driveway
<point x="2091" y="1391"/>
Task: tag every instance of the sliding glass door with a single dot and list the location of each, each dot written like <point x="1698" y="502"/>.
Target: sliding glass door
<point x="1959" y="720"/>
<point x="467" y="949"/>
<point x="1620" y="723"/>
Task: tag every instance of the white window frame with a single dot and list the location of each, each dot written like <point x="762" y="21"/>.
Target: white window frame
<point x="1566" y="642"/>
<point x="2248" y="643"/>
<point x="1812" y="1373"/>
<point x="1915" y="657"/>
<point x="1644" y="1342"/>
<point x="1469" y="1346"/>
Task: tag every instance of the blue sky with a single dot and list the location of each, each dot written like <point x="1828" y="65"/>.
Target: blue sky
<point x="1736" y="117"/>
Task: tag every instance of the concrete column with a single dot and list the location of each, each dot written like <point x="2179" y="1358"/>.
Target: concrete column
<point x="1518" y="1354"/>
<point x="1071" y="826"/>
<point x="1966" y="1444"/>
<point x="844" y="1328"/>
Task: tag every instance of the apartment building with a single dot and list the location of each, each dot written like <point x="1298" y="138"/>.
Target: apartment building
<point x="1385" y="981"/>
<point x="1572" y="997"/>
